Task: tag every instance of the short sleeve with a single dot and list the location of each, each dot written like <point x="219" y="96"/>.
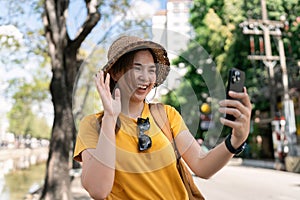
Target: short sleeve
<point x="88" y="134"/>
<point x="177" y="124"/>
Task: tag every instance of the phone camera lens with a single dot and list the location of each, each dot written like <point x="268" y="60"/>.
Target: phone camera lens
<point x="236" y="77"/>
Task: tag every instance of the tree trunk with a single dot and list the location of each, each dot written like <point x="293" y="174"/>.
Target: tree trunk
<point x="65" y="65"/>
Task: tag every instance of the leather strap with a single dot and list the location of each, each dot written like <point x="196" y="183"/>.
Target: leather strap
<point x="161" y="119"/>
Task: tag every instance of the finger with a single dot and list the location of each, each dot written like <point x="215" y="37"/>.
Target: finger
<point x="237" y="126"/>
<point x="97" y="80"/>
<point x="107" y="81"/>
<point x="244" y="105"/>
<point x="231" y="111"/>
<point x="235" y="108"/>
<point x="242" y="96"/>
<point x="246" y="100"/>
<point x="233" y="103"/>
<point x="100" y="84"/>
<point x="236" y="95"/>
<point x="101" y="79"/>
<point x="96" y="76"/>
<point x="117" y="94"/>
<point x="227" y="122"/>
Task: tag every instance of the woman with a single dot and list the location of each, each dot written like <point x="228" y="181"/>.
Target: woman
<point x="128" y="156"/>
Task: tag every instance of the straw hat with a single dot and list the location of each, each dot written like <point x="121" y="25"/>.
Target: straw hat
<point x="126" y="44"/>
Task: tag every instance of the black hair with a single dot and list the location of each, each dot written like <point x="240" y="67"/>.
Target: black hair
<point x="124" y="63"/>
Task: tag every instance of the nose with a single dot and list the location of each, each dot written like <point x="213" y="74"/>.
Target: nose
<point x="144" y="74"/>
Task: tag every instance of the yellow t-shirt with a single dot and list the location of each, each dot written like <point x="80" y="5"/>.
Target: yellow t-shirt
<point x="150" y="174"/>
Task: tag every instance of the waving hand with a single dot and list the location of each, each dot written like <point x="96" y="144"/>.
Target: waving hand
<point x="112" y="106"/>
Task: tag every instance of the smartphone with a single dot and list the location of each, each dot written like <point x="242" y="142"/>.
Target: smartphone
<point x="235" y="82"/>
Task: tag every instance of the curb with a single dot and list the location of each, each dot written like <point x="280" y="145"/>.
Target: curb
<point x="257" y="163"/>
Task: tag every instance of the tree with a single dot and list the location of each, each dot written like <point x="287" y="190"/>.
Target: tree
<point x="26" y="85"/>
<point x="66" y="35"/>
<point x="63" y="53"/>
<point x="216" y="25"/>
<point x="65" y="61"/>
<point x="22" y="120"/>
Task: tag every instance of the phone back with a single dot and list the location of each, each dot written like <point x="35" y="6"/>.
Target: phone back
<point x="235" y="83"/>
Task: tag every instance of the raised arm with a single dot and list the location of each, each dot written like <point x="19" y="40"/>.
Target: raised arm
<point x="207" y="164"/>
<point x="98" y="168"/>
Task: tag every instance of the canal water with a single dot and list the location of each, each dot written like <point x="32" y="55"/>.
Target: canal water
<point x="16" y="184"/>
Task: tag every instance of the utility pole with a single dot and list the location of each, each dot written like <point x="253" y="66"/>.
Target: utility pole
<point x="268" y="28"/>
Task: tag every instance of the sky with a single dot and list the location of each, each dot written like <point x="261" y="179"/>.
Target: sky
<point x="140" y="8"/>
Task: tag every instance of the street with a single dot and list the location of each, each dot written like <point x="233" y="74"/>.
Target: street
<point x="237" y="182"/>
<point x="240" y="182"/>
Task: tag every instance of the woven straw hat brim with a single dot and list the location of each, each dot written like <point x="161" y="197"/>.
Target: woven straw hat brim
<point x="119" y="48"/>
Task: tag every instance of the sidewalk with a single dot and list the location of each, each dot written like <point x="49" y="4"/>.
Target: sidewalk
<point x="257" y="163"/>
<point x="78" y="192"/>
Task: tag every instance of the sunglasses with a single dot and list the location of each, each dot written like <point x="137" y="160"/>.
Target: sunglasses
<point x="145" y="141"/>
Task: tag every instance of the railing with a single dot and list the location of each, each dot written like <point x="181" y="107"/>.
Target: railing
<point x="14" y="159"/>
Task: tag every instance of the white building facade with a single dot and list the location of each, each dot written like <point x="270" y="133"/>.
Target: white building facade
<point x="171" y="28"/>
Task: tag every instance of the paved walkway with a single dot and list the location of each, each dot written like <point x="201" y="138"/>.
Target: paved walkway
<point x="79" y="193"/>
<point x="250" y="183"/>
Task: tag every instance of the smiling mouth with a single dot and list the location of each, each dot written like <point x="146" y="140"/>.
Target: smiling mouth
<point x="142" y="87"/>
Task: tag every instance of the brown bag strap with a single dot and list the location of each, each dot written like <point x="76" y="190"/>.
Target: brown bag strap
<point x="161" y="119"/>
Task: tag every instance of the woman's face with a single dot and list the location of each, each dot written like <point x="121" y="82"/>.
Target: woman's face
<point x="138" y="81"/>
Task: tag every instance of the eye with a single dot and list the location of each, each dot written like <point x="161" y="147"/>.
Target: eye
<point x="137" y="68"/>
<point x="152" y="70"/>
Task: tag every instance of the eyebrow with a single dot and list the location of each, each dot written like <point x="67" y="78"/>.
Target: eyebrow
<point x="139" y="64"/>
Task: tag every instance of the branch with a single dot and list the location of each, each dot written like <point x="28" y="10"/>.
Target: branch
<point x="51" y="45"/>
<point x="111" y="27"/>
<point x="91" y="21"/>
<point x="52" y="21"/>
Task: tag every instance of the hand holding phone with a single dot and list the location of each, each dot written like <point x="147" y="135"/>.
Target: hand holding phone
<point x="236" y="80"/>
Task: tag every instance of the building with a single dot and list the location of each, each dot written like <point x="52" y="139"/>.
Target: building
<point x="171" y="28"/>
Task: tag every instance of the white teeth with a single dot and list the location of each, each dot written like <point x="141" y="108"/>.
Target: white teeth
<point x="142" y="86"/>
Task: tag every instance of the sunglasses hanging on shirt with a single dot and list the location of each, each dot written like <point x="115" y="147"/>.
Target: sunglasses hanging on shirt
<point x="145" y="141"/>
